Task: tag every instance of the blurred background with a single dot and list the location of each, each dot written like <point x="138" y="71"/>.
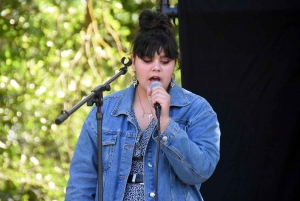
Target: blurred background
<point x="244" y="58"/>
<point x="52" y="54"/>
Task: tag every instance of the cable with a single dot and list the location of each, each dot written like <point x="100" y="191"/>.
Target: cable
<point x="157" y="110"/>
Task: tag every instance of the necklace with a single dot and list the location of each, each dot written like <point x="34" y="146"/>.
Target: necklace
<point x="149" y="114"/>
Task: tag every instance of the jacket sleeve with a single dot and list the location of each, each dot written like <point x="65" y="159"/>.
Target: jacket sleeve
<point x="193" y="151"/>
<point x="82" y="184"/>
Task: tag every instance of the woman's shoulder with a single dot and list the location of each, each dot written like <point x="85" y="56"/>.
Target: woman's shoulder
<point x="116" y="94"/>
<point x="196" y="100"/>
<point x="112" y="100"/>
<point x="182" y="95"/>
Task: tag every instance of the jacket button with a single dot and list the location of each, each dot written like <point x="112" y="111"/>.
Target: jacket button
<point x="150" y="165"/>
<point x="165" y="138"/>
<point x="152" y="195"/>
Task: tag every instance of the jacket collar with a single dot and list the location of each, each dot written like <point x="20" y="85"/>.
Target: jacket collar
<point x="123" y="106"/>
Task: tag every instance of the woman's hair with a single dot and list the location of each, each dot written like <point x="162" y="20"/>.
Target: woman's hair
<point x="155" y="34"/>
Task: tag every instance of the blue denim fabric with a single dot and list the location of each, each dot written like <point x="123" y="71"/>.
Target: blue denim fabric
<point x="189" y="151"/>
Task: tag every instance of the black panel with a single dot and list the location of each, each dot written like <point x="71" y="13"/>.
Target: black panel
<point x="244" y="59"/>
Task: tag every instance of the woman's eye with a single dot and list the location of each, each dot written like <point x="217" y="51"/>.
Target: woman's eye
<point x="165" y="62"/>
<point x="147" y="60"/>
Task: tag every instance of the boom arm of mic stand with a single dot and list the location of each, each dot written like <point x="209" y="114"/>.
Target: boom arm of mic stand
<point x="105" y="87"/>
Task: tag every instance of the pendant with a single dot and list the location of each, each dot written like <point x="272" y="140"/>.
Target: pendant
<point x="149" y="116"/>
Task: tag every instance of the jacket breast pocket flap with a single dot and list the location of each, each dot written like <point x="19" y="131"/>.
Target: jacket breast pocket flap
<point x="108" y="149"/>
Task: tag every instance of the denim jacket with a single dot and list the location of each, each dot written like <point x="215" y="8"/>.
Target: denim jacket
<point x="189" y="150"/>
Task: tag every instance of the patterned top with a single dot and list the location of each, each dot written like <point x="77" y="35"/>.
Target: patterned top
<point x="135" y="192"/>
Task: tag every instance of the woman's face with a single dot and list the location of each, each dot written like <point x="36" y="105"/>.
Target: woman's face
<point x="159" y="68"/>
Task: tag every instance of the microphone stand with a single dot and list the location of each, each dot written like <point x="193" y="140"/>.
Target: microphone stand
<point x="166" y="9"/>
<point x="96" y="97"/>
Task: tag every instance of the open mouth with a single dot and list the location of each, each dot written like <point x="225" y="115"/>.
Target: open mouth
<point x="155" y="78"/>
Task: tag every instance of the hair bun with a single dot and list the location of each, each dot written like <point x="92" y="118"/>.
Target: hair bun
<point x="154" y="20"/>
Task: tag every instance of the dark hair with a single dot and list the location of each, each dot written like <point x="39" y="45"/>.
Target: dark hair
<point x="155" y="34"/>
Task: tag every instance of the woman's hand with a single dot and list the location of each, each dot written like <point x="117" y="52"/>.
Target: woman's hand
<point x="159" y="95"/>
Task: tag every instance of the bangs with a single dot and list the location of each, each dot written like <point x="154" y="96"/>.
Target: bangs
<point x="147" y="46"/>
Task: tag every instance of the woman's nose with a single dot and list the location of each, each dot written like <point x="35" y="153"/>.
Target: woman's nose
<point x="156" y="66"/>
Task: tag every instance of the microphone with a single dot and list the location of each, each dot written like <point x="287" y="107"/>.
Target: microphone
<point x="156" y="105"/>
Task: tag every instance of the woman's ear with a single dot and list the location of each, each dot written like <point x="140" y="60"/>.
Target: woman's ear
<point x="133" y="61"/>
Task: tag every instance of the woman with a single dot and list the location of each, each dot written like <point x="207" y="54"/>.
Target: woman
<point x="189" y="130"/>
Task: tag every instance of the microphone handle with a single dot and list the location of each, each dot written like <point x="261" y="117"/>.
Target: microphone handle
<point x="157" y="110"/>
<point x="157" y="106"/>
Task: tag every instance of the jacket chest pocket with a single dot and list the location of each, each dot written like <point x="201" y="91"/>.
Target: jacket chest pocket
<point x="108" y="149"/>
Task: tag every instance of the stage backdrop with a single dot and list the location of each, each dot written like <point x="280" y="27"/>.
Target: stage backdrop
<point x="243" y="57"/>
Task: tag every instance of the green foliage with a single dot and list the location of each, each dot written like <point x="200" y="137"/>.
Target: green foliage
<point x="52" y="54"/>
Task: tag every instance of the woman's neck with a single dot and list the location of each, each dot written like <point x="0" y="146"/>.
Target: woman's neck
<point x="142" y="108"/>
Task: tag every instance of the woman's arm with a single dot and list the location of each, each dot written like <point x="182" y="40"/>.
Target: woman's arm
<point x="195" y="151"/>
<point x="82" y="184"/>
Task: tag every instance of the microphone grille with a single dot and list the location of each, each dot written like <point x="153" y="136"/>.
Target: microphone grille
<point x="155" y="84"/>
